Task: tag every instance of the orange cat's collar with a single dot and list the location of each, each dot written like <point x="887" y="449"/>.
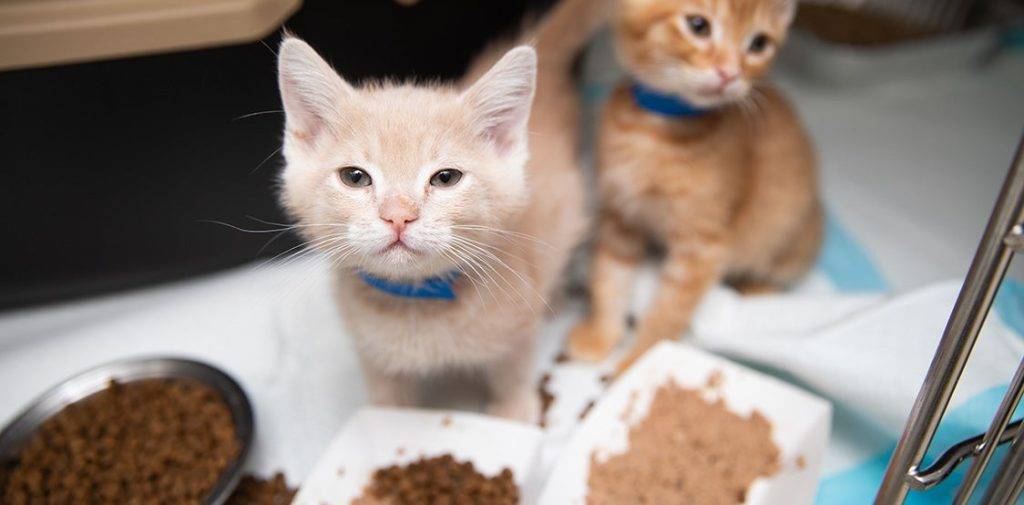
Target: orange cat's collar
<point x="663" y="103"/>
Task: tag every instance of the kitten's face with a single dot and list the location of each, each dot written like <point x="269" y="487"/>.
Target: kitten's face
<point x="393" y="179"/>
<point x="708" y="52"/>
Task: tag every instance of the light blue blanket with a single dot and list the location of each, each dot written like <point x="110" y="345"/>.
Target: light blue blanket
<point x="851" y="269"/>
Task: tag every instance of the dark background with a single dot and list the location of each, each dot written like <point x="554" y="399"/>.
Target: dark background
<point x="112" y="168"/>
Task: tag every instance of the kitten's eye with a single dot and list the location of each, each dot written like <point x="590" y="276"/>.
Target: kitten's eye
<point x="759" y="43"/>
<point x="446" y="177"/>
<point x="699" y="25"/>
<point x="355" y="177"/>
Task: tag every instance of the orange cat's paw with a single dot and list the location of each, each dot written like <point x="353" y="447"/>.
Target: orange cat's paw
<point x="587" y="343"/>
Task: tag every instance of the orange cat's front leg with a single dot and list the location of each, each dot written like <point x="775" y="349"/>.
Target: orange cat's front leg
<point x="617" y="254"/>
<point x="689" y="271"/>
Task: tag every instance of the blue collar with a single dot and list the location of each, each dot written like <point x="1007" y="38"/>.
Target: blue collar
<point x="664" y="104"/>
<point x="438" y="288"/>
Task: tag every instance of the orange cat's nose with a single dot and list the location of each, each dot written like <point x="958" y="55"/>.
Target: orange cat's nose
<point x="727" y="75"/>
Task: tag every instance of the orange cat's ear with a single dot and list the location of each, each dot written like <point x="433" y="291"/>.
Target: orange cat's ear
<point x="786" y="10"/>
<point x="501" y="99"/>
<point x="310" y="90"/>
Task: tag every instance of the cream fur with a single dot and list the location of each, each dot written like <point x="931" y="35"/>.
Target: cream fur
<point x="508" y="225"/>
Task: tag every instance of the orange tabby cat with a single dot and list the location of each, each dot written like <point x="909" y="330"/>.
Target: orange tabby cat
<point x="697" y="158"/>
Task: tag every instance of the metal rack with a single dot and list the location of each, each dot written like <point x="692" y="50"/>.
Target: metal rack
<point x="1003" y="237"/>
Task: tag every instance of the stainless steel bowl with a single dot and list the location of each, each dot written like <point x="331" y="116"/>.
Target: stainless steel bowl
<point x="16" y="434"/>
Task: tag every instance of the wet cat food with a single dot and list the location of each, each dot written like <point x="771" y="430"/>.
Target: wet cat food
<point x="150" y="441"/>
<point x="686" y="450"/>
<point x="436" y="481"/>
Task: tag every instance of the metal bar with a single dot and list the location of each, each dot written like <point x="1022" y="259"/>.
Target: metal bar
<point x="994" y="433"/>
<point x="946" y="463"/>
<point x="958" y="338"/>
<point x="1009" y="481"/>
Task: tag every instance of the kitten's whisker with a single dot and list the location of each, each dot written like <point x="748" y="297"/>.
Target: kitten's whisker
<point x="462" y="269"/>
<point x="310" y="248"/>
<point x="310" y="245"/>
<point x="271" y="155"/>
<point x="476" y="269"/>
<point x="260" y="113"/>
<point x="486" y="270"/>
<point x="528" y="285"/>
<point x="237" y="228"/>
<point x="271" y="241"/>
<point x="295" y="225"/>
<point x="507" y="239"/>
<point x="744" y="107"/>
<point x="492" y="247"/>
<point x="499" y="231"/>
<point x="304" y="277"/>
<point x="332" y="255"/>
<point x="339" y="254"/>
<point x="488" y="254"/>
<point x="277" y="231"/>
<point x="757" y="99"/>
<point x="519" y="275"/>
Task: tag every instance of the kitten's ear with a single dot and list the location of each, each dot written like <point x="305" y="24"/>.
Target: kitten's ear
<point x="311" y="90"/>
<point x="786" y="10"/>
<point x="501" y="99"/>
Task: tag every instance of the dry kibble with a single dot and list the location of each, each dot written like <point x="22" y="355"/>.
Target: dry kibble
<point x="254" y="491"/>
<point x="439" y="481"/>
<point x="149" y="441"/>
<point x="686" y="450"/>
<point x="586" y="410"/>
<point x="546" y="398"/>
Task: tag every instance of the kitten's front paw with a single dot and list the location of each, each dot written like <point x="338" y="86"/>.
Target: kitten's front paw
<point x="587" y="343"/>
<point x="523" y="407"/>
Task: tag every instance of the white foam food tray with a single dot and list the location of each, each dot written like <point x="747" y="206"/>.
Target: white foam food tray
<point x="800" y="423"/>
<point x="376" y="438"/>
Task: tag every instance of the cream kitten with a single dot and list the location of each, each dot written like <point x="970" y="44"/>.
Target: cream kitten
<point x="405" y="187"/>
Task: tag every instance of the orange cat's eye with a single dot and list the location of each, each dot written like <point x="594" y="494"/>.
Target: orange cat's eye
<point x="699" y="25"/>
<point x="759" y="43"/>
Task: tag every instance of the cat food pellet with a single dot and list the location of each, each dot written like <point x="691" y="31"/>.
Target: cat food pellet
<point x="686" y="450"/>
<point x="546" y="398"/>
<point x="149" y="441"/>
<point x="255" y="491"/>
<point x="436" y="481"/>
<point x="586" y="409"/>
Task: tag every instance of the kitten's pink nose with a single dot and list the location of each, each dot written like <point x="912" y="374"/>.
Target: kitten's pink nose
<point x="398" y="212"/>
<point x="727" y="74"/>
